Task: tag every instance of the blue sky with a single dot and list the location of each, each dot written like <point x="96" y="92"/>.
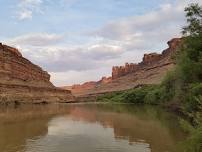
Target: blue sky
<point x="80" y="40"/>
<point x="59" y="16"/>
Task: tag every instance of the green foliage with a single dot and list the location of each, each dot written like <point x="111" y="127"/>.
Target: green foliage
<point x="194" y="142"/>
<point x="188" y="77"/>
<point x="155" y="96"/>
<point x="194" y="96"/>
<point x="186" y="126"/>
<point x="193" y="15"/>
<point x="145" y="94"/>
<point x="124" y="96"/>
<point x="184" y="83"/>
<point x="168" y="86"/>
<point x="111" y="97"/>
<point x="190" y="60"/>
<point x="136" y="95"/>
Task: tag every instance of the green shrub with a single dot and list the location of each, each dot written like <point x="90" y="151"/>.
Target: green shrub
<point x="118" y="98"/>
<point x="186" y="126"/>
<point x="194" y="142"/>
<point x="137" y="95"/>
<point x="155" y="95"/>
<point x="168" y="86"/>
<point x="193" y="102"/>
<point x="111" y="97"/>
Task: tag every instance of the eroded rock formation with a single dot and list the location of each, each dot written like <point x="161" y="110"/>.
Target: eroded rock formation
<point x="22" y="81"/>
<point x="151" y="58"/>
<point x="119" y="71"/>
<point x="151" y="70"/>
<point x="105" y="80"/>
<point x="148" y="59"/>
<point x="77" y="88"/>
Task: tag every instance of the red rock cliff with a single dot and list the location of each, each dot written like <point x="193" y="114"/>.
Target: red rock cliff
<point x="119" y="71"/>
<point x="22" y="80"/>
<point x="148" y="60"/>
<point x="15" y="69"/>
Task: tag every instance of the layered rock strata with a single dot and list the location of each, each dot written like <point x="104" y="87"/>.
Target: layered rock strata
<point x="151" y="70"/>
<point x="148" y="60"/>
<point x="22" y="81"/>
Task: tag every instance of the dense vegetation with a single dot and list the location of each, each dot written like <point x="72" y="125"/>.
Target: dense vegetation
<point x="181" y="89"/>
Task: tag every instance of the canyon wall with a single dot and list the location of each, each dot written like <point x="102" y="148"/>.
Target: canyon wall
<point x="151" y="70"/>
<point x="148" y="59"/>
<point x="23" y="81"/>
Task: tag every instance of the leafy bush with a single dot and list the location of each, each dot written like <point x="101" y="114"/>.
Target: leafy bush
<point x="155" y="96"/>
<point x="193" y="102"/>
<point x="194" y="142"/>
<point x="111" y="97"/>
<point x="168" y="86"/>
<point x="136" y="95"/>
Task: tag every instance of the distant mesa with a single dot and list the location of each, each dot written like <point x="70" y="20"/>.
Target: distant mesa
<point x="148" y="59"/>
<point x="151" y="70"/>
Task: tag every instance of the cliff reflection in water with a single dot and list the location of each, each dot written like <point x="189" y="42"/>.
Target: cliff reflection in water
<point x="89" y="128"/>
<point x="17" y="124"/>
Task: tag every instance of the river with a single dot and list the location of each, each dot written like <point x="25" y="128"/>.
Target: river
<point x="88" y="128"/>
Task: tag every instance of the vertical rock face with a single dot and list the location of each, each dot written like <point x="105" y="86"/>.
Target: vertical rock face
<point x="17" y="70"/>
<point x="21" y="78"/>
<point x="119" y="71"/>
<point x="151" y="58"/>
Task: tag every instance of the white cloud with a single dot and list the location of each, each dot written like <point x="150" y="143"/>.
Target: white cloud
<point x="156" y="25"/>
<point x="56" y="55"/>
<point x="36" y="39"/>
<point x="25" y="14"/>
<point x="147" y="32"/>
<point x="65" y="58"/>
<point x="27" y="8"/>
<point x="103" y="51"/>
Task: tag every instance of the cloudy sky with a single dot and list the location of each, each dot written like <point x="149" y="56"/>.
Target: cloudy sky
<point x="80" y="40"/>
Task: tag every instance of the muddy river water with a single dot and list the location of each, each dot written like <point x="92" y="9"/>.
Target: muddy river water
<point x="88" y="128"/>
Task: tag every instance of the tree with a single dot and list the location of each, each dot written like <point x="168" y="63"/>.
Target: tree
<point x="191" y="60"/>
<point x="194" y="19"/>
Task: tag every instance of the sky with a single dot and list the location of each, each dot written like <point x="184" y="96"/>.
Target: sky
<point x="80" y="40"/>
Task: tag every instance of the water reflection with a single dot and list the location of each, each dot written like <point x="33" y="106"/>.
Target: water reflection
<point x="91" y="128"/>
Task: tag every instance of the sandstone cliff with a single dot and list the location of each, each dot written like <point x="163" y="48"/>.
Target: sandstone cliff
<point x="22" y="81"/>
<point x="151" y="70"/>
<point x="148" y="60"/>
<point x="78" y="88"/>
